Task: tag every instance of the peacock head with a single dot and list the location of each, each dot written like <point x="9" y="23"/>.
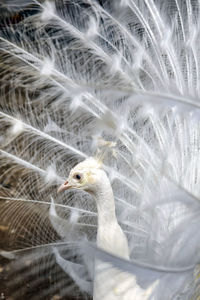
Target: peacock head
<point x="85" y="176"/>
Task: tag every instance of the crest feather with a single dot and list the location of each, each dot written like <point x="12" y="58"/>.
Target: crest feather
<point x="89" y="163"/>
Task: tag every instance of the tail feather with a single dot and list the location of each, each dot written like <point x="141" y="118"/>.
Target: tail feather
<point x="78" y="74"/>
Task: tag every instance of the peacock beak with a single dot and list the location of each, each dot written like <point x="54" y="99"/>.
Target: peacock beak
<point x="64" y="186"/>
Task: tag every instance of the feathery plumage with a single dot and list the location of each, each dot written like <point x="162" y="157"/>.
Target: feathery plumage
<point x="120" y="77"/>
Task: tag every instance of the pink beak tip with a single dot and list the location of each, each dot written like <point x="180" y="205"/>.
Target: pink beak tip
<point x="62" y="187"/>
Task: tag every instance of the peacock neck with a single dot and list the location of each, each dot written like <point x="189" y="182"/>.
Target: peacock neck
<point x="109" y="234"/>
<point x="105" y="203"/>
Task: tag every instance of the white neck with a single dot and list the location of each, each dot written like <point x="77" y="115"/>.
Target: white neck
<point x="105" y="202"/>
<point x="110" y="235"/>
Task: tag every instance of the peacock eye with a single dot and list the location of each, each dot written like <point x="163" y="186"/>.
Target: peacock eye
<point x="78" y="177"/>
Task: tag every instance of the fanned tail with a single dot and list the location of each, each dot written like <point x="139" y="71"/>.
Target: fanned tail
<point x="73" y="73"/>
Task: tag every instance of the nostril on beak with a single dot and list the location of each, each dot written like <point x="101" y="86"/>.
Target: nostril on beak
<point x="65" y="186"/>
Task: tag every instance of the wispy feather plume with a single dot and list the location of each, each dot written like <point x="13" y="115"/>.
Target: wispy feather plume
<point x="73" y="73"/>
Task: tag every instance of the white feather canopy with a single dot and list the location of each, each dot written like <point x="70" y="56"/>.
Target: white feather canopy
<point x="73" y="75"/>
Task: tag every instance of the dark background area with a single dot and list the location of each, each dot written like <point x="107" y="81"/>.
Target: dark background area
<point x="9" y="282"/>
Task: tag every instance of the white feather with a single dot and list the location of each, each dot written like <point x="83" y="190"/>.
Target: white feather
<point x="127" y="72"/>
